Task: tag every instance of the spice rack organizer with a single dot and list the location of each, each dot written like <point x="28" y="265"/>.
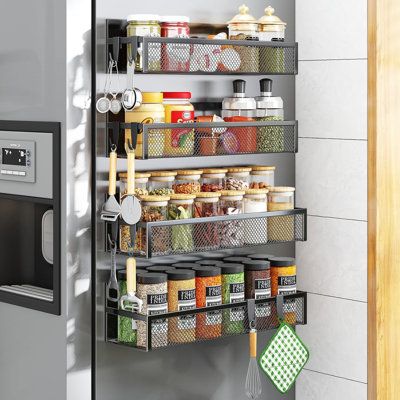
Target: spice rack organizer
<point x="210" y="139"/>
<point x="203" y="56"/>
<point x="193" y="235"/>
<point x="227" y="320"/>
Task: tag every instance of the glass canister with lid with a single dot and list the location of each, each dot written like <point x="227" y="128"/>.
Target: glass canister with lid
<point x="145" y="25"/>
<point x="262" y="176"/>
<point x="161" y="183"/>
<point x="187" y="181"/>
<point x="213" y="179"/>
<point x="178" y="109"/>
<point x="244" y="26"/>
<point x="154" y="208"/>
<point x="181" y="297"/>
<point x="141" y="183"/>
<point x="238" y="178"/>
<point x="231" y="232"/>
<point x="181" y="207"/>
<point x="281" y="228"/>
<point x="255" y="201"/>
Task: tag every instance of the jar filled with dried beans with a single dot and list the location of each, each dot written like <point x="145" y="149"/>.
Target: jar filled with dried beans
<point x="213" y="179"/>
<point x="181" y="297"/>
<point x="152" y="290"/>
<point x="208" y="294"/>
<point x="206" y="235"/>
<point x="154" y="208"/>
<point x="187" y="181"/>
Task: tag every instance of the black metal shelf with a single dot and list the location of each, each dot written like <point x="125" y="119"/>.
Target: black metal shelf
<point x="186" y="236"/>
<point x="268" y="312"/>
<point x="202" y="56"/>
<point x="208" y="139"/>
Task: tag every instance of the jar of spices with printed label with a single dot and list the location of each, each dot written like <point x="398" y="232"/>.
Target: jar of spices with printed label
<point x="233" y="292"/>
<point x="208" y="294"/>
<point x="181" y="297"/>
<point x="213" y="179"/>
<point x="152" y="290"/>
<point x="187" y="181"/>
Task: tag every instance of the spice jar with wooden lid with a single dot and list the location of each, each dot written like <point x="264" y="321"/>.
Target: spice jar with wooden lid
<point x="238" y="178"/>
<point x="161" y="183"/>
<point x="255" y="201"/>
<point x="187" y="181"/>
<point x="213" y="179"/>
<point x="262" y="176"/>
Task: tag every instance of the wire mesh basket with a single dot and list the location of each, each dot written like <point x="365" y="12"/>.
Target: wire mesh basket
<point x="210" y="139"/>
<point x="202" y="324"/>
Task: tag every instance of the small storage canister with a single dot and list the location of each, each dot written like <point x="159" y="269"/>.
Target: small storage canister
<point x="161" y="183"/>
<point x="262" y="177"/>
<point x="181" y="207"/>
<point x="181" y="296"/>
<point x="152" y="290"/>
<point x="154" y="208"/>
<point x="235" y="259"/>
<point x="145" y="25"/>
<point x="233" y="292"/>
<point x="187" y="181"/>
<point x="141" y="183"/>
<point x="281" y="228"/>
<point x="209" y="263"/>
<point x="244" y="26"/>
<point x="208" y="294"/>
<point x="159" y="268"/>
<point x="206" y="234"/>
<point x="255" y="201"/>
<point x="238" y="178"/>
<point x="271" y="28"/>
<point x="213" y="179"/>
<point x="186" y="259"/>
<point x="214" y="255"/>
<point x="283" y="281"/>
<point x="260" y="256"/>
<point x="185" y="265"/>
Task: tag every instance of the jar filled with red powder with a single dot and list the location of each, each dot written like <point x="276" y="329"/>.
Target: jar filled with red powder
<point x="208" y="294"/>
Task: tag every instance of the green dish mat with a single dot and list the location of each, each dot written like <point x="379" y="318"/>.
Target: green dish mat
<point x="284" y="358"/>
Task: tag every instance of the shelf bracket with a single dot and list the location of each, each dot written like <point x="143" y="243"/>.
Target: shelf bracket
<point x="279" y="306"/>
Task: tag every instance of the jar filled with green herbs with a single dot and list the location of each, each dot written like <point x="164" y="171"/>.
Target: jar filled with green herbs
<point x="233" y="292"/>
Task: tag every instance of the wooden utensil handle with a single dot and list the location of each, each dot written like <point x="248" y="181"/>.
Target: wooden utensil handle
<point x="112" y="175"/>
<point x="131" y="173"/>
<point x="253" y="344"/>
<point x="131" y="275"/>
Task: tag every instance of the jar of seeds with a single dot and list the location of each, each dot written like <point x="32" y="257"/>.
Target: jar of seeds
<point x="152" y="290"/>
<point x="187" y="181"/>
<point x="161" y="183"/>
<point x="238" y="178"/>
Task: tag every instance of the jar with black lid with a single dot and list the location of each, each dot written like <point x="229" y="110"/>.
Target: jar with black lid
<point x="185" y="265"/>
<point x="152" y="290"/>
<point x="186" y="259"/>
<point x="260" y="256"/>
<point x="236" y="259"/>
<point x="214" y="255"/>
<point x="159" y="268"/>
<point x="210" y="263"/>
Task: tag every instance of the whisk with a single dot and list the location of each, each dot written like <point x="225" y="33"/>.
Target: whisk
<point x="253" y="383"/>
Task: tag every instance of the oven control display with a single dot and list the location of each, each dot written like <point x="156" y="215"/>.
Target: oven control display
<point x="14" y="156"/>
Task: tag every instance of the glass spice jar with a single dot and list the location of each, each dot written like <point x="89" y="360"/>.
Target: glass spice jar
<point x="187" y="181"/>
<point x="141" y="184"/>
<point x="161" y="183"/>
<point x="233" y="292"/>
<point x="231" y="232"/>
<point x="213" y="179"/>
<point x="262" y="177"/>
<point x="180" y="207"/>
<point x="206" y="234"/>
<point x="255" y="201"/>
<point x="238" y="178"/>
<point x="152" y="290"/>
<point x="181" y="296"/>
<point x="208" y="294"/>
<point x="154" y="208"/>
<point x="281" y="228"/>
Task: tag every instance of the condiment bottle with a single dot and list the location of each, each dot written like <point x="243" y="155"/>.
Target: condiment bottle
<point x="152" y="290"/>
<point x="208" y="294"/>
<point x="239" y="104"/>
<point x="181" y="297"/>
<point x="242" y="25"/>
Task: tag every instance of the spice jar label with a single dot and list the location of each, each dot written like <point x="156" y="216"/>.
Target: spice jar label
<point x="262" y="288"/>
<point x="187" y="301"/>
<point x="213" y="298"/>
<point x="236" y="292"/>
<point x="158" y="304"/>
<point x="287" y="284"/>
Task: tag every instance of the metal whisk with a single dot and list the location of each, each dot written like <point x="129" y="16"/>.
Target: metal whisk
<point x="253" y="383"/>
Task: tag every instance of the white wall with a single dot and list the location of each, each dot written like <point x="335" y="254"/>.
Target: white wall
<point x="331" y="181"/>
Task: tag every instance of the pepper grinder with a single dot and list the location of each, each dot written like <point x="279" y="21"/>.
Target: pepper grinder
<point x="268" y="105"/>
<point x="239" y="104"/>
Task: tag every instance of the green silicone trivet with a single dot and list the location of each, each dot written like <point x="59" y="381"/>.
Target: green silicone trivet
<point x="284" y="358"/>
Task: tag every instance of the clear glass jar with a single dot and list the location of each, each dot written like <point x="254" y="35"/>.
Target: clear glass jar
<point x="281" y="198"/>
<point x="187" y="181"/>
<point x="180" y="206"/>
<point x="206" y="235"/>
<point x="161" y="183"/>
<point x="213" y="179"/>
<point x="262" y="177"/>
<point x="255" y="231"/>
<point x="154" y="208"/>
<point x="238" y="178"/>
<point x="141" y="184"/>
<point x="255" y="200"/>
<point x="231" y="232"/>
